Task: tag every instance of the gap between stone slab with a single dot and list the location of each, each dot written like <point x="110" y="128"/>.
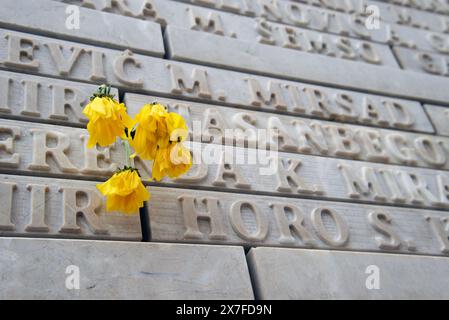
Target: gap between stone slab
<point x="252" y="273"/>
<point x="145" y="223"/>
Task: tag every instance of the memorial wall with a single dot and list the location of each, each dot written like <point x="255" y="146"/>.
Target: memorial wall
<point x="319" y="133"/>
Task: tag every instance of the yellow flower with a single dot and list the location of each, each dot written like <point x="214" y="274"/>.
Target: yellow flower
<point x="177" y="127"/>
<point x="124" y="191"/>
<point x="107" y="121"/>
<point x="172" y="161"/>
<point x="150" y="131"/>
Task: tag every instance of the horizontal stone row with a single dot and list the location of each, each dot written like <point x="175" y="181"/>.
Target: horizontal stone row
<point x="47" y="269"/>
<point x="221" y="23"/>
<point x="262" y="31"/>
<point x="438" y="6"/>
<point x="440" y="117"/>
<point x="226" y="218"/>
<point x="40" y="149"/>
<point x="39" y="99"/>
<point x="388" y="12"/>
<point x="300" y="66"/>
<point x="60" y="208"/>
<point x="231" y="126"/>
<point x="49" y="57"/>
<point x="119" y="270"/>
<point x="318" y="274"/>
<point x="42" y="207"/>
<point x="283" y="34"/>
<point x="425" y="62"/>
<point x="56" y="19"/>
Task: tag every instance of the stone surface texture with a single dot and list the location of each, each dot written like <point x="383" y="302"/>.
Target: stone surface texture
<point x="319" y="132"/>
<point x="122" y="270"/>
<point x="321" y="274"/>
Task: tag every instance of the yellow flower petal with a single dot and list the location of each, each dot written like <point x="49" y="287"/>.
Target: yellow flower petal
<point x="107" y="121"/>
<point x="173" y="162"/>
<point x="124" y="192"/>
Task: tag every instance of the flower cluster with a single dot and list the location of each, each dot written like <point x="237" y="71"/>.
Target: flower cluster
<point x="154" y="133"/>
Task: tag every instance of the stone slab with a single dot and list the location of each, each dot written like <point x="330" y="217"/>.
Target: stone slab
<point x="48" y="100"/>
<point x="311" y="274"/>
<point x="247" y="29"/>
<point x="198" y="216"/>
<point x="284" y="12"/>
<point x="299" y="66"/>
<point x="440" y="118"/>
<point x="424" y="5"/>
<point x="310" y="102"/>
<point x="425" y="62"/>
<point x="42" y="207"/>
<point x="400" y="32"/>
<point x="388" y="12"/>
<point x="156" y="76"/>
<point x="42" y="269"/>
<point x="223" y="125"/>
<point x="99" y="28"/>
<point x="44" y="150"/>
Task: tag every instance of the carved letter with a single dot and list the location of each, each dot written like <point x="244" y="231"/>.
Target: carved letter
<point x="198" y="80"/>
<point x="63" y="65"/>
<point x="61" y="101"/>
<point x="120" y="61"/>
<point x="284" y="176"/>
<point x="225" y="169"/>
<point x="273" y="97"/>
<point x="342" y="230"/>
<point x="440" y="227"/>
<point x="72" y="210"/>
<point x="310" y="137"/>
<point x="6" y="195"/>
<point x="212" y="23"/>
<point x="41" y="150"/>
<point x="37" y="221"/>
<point x="192" y="215"/>
<point x="7" y="145"/>
<point x="30" y="98"/>
<point x="261" y="223"/>
<point x="287" y="226"/>
<point x="367" y="183"/>
<point x="381" y="222"/>
<point x="344" y="142"/>
<point x="16" y="52"/>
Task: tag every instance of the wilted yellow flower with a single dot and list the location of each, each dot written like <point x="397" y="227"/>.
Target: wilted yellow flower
<point x="107" y="121"/>
<point x="172" y="161"/>
<point x="154" y="129"/>
<point x="177" y="127"/>
<point x="124" y="191"/>
<point x="150" y="131"/>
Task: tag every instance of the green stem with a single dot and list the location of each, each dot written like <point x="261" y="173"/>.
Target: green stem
<point x="129" y="161"/>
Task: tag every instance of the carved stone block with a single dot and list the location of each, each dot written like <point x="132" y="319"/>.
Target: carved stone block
<point x="439" y="117"/>
<point x="99" y="28"/>
<point x="310" y="101"/>
<point x="250" y="220"/>
<point x="300" y="66"/>
<point x="258" y="31"/>
<point x="426" y="62"/>
<point x="48" y="269"/>
<point x="39" y="99"/>
<point x="222" y="125"/>
<point x="42" y="207"/>
<point x="312" y="274"/>
<point x="71" y="61"/>
<point x="39" y="149"/>
<point x="395" y="26"/>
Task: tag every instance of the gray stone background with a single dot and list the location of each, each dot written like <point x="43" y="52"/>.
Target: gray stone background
<point x="356" y="206"/>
